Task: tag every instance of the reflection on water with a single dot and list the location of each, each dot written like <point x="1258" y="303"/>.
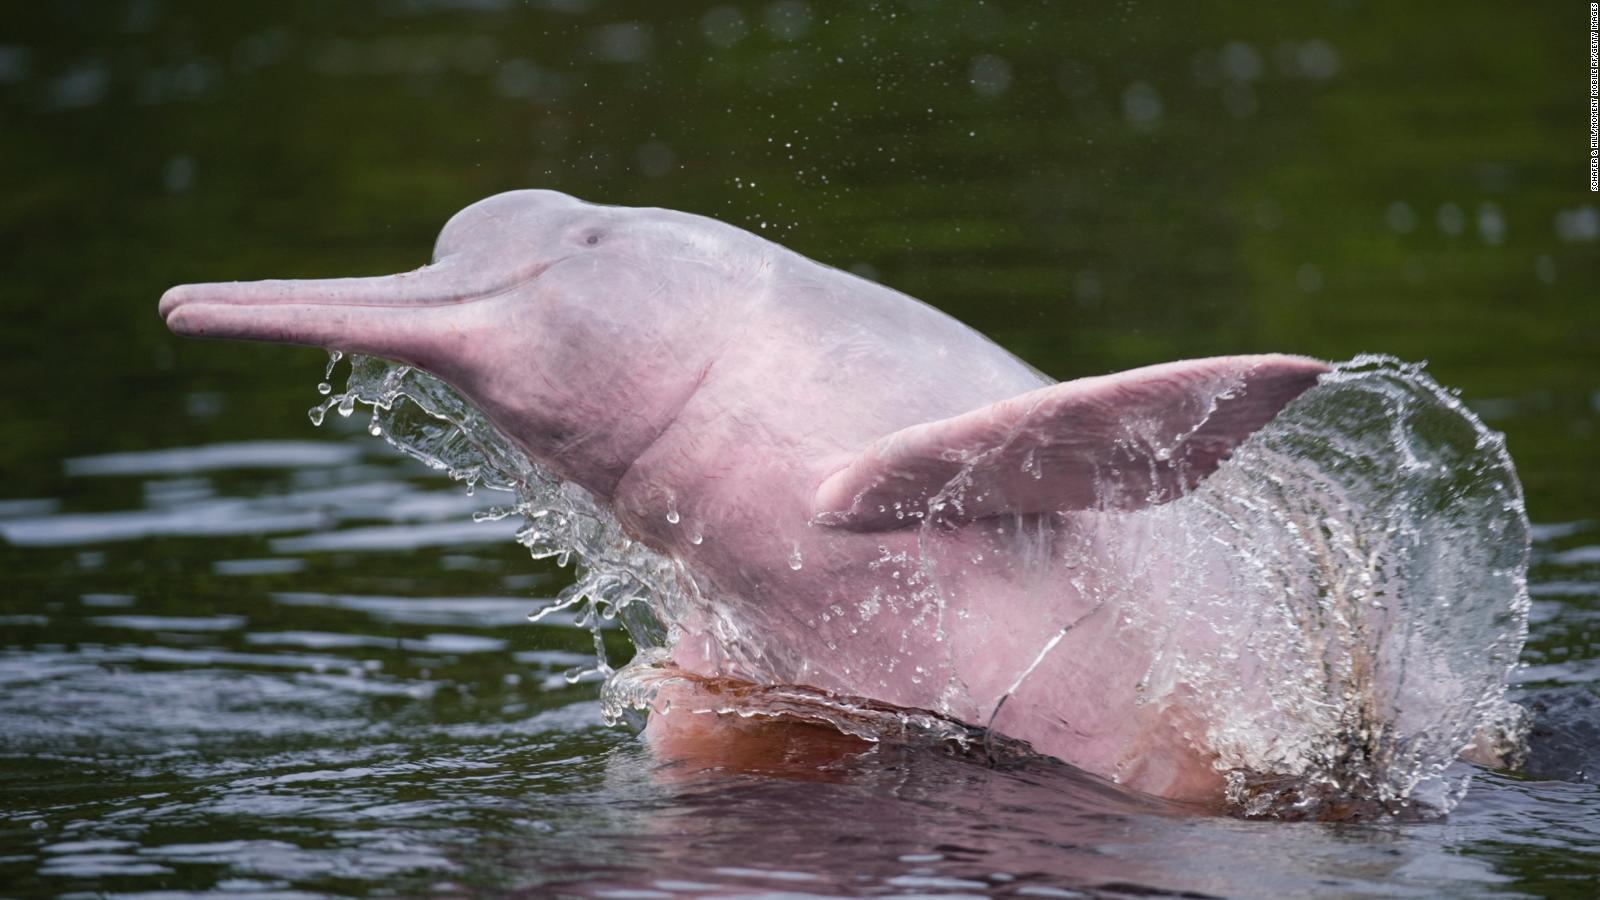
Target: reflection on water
<point x="253" y="736"/>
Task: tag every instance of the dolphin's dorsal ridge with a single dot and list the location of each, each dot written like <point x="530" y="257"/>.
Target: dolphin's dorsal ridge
<point x="1121" y="441"/>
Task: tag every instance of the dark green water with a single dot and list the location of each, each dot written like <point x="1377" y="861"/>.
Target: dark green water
<point x="298" y="669"/>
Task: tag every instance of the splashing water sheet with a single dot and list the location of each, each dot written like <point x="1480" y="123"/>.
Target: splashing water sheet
<point x="1337" y="608"/>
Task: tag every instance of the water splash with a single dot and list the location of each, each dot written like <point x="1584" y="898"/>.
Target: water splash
<point x="1351" y="639"/>
<point x="617" y="579"/>
<point x="1337" y="609"/>
<point x="1386" y="543"/>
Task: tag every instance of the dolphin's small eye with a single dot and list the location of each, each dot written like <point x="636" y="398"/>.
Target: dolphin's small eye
<point x="592" y="239"/>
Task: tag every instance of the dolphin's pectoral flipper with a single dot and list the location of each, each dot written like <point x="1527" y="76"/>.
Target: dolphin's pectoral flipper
<point x="1121" y="441"/>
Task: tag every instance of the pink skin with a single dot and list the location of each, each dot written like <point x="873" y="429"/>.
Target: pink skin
<point x="666" y="361"/>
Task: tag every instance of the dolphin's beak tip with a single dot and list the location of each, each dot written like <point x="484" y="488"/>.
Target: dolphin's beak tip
<point x="183" y="324"/>
<point x="182" y="308"/>
<point x="171" y="300"/>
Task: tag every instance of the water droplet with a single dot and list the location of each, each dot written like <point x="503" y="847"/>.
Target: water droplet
<point x="324" y="389"/>
<point x="795" y="562"/>
<point x="1031" y="466"/>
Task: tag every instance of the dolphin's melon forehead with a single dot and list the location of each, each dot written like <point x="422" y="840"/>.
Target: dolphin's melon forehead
<point x="525" y="211"/>
<point x="523" y="216"/>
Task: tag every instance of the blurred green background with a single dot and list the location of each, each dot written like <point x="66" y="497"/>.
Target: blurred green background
<point x="1097" y="186"/>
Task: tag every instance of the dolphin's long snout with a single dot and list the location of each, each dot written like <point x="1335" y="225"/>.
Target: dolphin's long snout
<point x="402" y="317"/>
<point x="387" y="315"/>
<point x="437" y="284"/>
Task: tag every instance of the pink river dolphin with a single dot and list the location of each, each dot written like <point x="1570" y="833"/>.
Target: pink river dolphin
<point x="874" y="494"/>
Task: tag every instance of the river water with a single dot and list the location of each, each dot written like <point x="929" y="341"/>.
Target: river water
<point x="188" y="707"/>
<point x="240" y="656"/>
